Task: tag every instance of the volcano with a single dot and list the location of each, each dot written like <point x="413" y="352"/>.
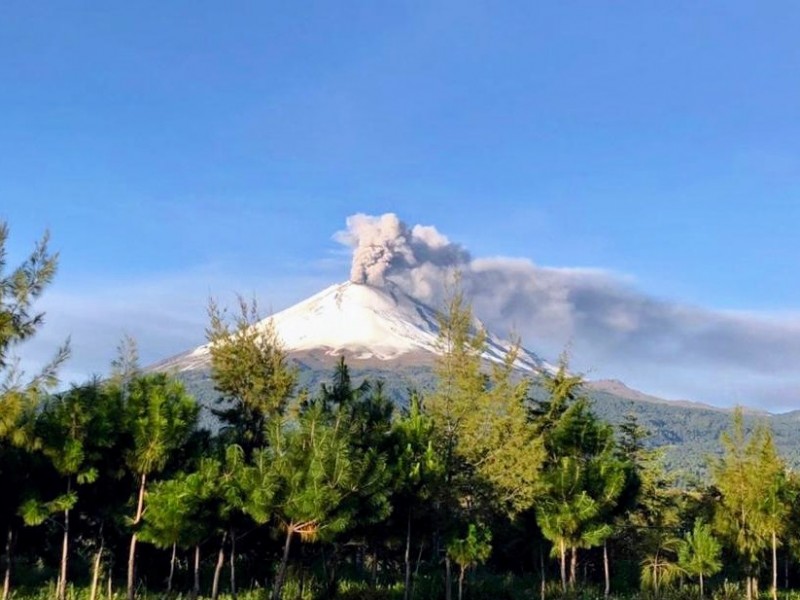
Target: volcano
<point x="368" y="325"/>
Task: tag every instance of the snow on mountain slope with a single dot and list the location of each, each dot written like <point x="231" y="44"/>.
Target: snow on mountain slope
<point x="362" y="322"/>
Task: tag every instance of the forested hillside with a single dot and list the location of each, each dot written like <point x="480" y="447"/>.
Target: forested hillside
<point x="687" y="433"/>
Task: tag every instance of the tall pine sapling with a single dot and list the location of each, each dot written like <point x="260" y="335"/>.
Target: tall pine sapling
<point x="699" y="553"/>
<point x="159" y="419"/>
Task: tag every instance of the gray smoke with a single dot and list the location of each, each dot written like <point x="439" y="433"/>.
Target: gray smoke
<point x="606" y="321"/>
<point x="384" y="246"/>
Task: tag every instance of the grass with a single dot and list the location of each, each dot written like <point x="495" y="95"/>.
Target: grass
<point x="488" y="586"/>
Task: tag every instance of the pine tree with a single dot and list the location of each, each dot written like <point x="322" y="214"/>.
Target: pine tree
<point x="159" y="419"/>
<point x="741" y="515"/>
<point x="584" y="476"/>
<point x="489" y="452"/>
<point x="480" y="413"/>
<point x="498" y="442"/>
<point x="773" y="511"/>
<point x="418" y="470"/>
<point x="75" y="429"/>
<point x="699" y="552"/>
<point x="364" y="414"/>
<point x="226" y="493"/>
<point x="318" y="480"/>
<point x="472" y="550"/>
<point x="459" y="382"/>
<point x="19" y="290"/>
<point x="173" y="518"/>
<point x="650" y="510"/>
<point x="251" y="370"/>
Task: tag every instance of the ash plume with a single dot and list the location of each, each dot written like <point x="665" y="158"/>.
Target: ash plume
<point x="606" y="321"/>
<point x="384" y="246"/>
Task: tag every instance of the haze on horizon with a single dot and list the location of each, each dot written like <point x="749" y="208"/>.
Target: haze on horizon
<point x="622" y="180"/>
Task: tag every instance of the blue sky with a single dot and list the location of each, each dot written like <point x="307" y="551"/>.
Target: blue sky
<point x="177" y="150"/>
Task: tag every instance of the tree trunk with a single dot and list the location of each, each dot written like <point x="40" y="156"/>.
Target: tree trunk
<point x="7" y="576"/>
<point x="132" y="551"/>
<point x="110" y="590"/>
<point x="573" y="568"/>
<point x="332" y="570"/>
<point x="302" y="585"/>
<point x="131" y="567"/>
<point x="276" y="590"/>
<point x="407" y="583"/>
<point x="96" y="573"/>
<point x="196" y="587"/>
<point x="374" y="568"/>
<point x="172" y="558"/>
<point x="786" y="570"/>
<point x="606" y="571"/>
<point x="233" y="563"/>
<point x="655" y="575"/>
<point x="655" y="581"/>
<point x="562" y="549"/>
<point x="416" y="569"/>
<point x="701" y="585"/>
<point x="448" y="580"/>
<point x="61" y="588"/>
<point x="417" y="565"/>
<point x="218" y="569"/>
<point x="543" y="589"/>
<point x="774" y="566"/>
<point x="461" y="583"/>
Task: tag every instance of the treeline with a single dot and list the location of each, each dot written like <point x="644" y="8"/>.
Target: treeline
<point x="475" y="490"/>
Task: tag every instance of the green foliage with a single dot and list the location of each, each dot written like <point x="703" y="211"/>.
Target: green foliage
<point x="561" y="390"/>
<point x="316" y="475"/>
<point x="19" y="290"/>
<point x="650" y="519"/>
<point x="699" y="553"/>
<point x="159" y="416"/>
<point x="227" y="487"/>
<point x="258" y="481"/>
<point x="459" y="382"/>
<point x="419" y="468"/>
<point x="75" y="428"/>
<point x="173" y="515"/>
<point x="35" y="512"/>
<point x="687" y="434"/>
<point x="489" y="452"/>
<point x="660" y="569"/>
<point x="584" y="476"/>
<point x="746" y="477"/>
<point x="473" y="549"/>
<point x="250" y="370"/>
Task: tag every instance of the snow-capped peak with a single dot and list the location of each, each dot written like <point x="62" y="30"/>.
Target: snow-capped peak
<point x="365" y="323"/>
